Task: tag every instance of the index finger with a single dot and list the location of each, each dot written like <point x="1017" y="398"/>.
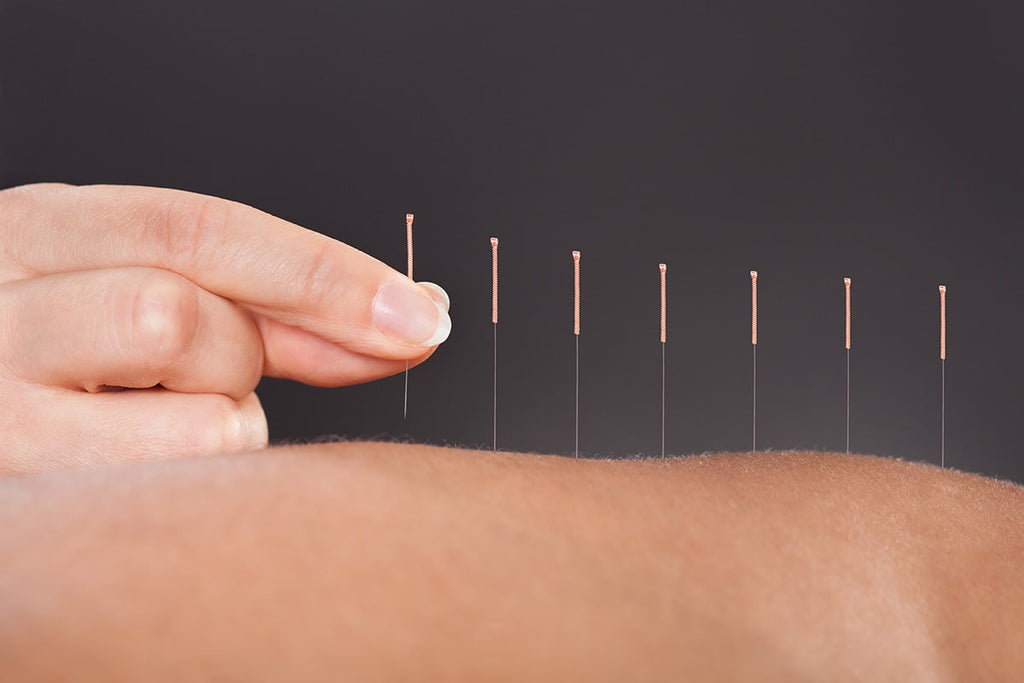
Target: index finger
<point x="275" y="268"/>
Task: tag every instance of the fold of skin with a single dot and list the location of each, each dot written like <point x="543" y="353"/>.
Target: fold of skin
<point x="371" y="561"/>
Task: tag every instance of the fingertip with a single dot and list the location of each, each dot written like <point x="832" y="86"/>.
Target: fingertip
<point x="409" y="315"/>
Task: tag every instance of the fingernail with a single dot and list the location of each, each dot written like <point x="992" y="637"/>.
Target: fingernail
<point x="407" y="314"/>
<point x="437" y="293"/>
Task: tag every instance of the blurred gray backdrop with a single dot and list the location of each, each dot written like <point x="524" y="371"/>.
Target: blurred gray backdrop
<point x="808" y="140"/>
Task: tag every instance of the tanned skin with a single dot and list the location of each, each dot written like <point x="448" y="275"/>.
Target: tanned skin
<point x="368" y="561"/>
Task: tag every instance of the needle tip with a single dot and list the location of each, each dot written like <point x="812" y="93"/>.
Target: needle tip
<point x="408" y="220"/>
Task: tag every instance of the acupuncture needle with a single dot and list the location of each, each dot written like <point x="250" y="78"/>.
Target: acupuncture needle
<point x="494" y="323"/>
<point x="662" y="268"/>
<point x="942" y="362"/>
<point x="753" y="343"/>
<point x="576" y="332"/>
<point x="847" y="283"/>
<point x="408" y="249"/>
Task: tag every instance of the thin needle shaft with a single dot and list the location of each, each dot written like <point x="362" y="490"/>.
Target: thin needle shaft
<point x="847" y="400"/>
<point x="663" y="400"/>
<point x="408" y="249"/>
<point x="494" y="413"/>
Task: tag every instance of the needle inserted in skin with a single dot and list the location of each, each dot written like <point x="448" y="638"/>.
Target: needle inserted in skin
<point x="753" y="342"/>
<point x="576" y="331"/>
<point x="408" y="248"/>
<point x="846" y="283"/>
<point x="494" y="322"/>
<point x="662" y="268"/>
<point x="942" y="361"/>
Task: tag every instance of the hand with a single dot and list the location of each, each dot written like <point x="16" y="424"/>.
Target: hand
<point x="181" y="301"/>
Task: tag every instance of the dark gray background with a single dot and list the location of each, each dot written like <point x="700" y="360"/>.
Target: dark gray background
<point x="809" y="140"/>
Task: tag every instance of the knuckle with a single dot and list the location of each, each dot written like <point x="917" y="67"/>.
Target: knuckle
<point x="318" y="282"/>
<point x="17" y="206"/>
<point x="163" y="320"/>
<point x="16" y="201"/>
<point x="189" y="228"/>
<point x="31" y="195"/>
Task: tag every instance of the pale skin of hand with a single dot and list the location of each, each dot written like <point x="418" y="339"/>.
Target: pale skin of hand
<point x="186" y="301"/>
<point x="394" y="562"/>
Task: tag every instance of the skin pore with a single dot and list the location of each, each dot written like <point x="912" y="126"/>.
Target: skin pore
<point x="369" y="561"/>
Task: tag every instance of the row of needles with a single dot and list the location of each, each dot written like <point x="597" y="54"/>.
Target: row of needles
<point x="662" y="338"/>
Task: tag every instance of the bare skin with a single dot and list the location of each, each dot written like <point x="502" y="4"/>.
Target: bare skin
<point x="390" y="562"/>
